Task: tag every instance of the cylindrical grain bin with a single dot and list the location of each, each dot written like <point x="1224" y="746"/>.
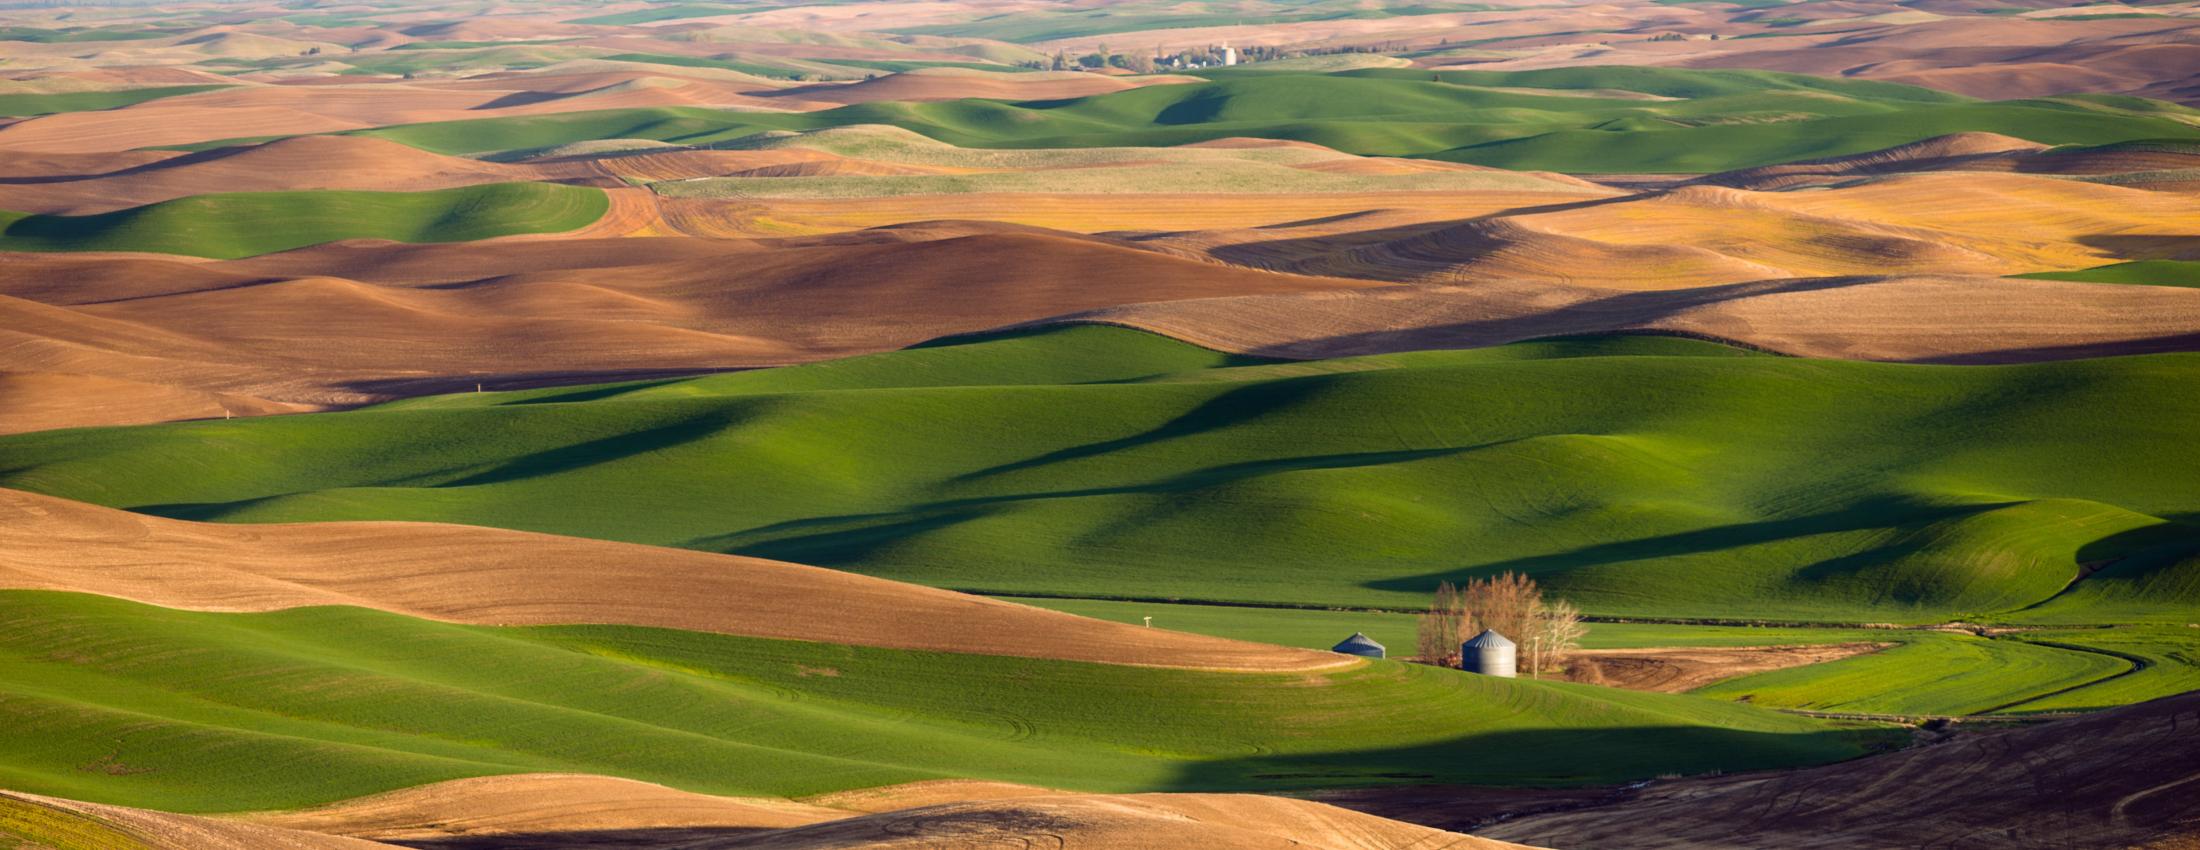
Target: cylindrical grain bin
<point x="1489" y="654"/>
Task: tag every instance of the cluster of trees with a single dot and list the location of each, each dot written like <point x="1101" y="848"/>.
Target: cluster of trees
<point x="1510" y="604"/>
<point x="1208" y="56"/>
<point x="1211" y="55"/>
<point x="1101" y="58"/>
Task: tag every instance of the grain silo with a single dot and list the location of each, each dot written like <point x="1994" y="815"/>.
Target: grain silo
<point x="1489" y="654"/>
<point x="1359" y="644"/>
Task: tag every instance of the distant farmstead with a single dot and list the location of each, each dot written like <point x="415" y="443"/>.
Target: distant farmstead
<point x="1361" y="645"/>
<point x="1489" y="654"/>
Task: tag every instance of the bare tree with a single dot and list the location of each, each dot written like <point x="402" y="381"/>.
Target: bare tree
<point x="1442" y="627"/>
<point x="1558" y="635"/>
<point x="1508" y="604"/>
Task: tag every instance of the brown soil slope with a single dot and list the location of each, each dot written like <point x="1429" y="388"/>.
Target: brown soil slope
<point x="1983" y="152"/>
<point x="1674" y="670"/>
<point x="568" y="812"/>
<point x="1996" y="58"/>
<point x="544" y="803"/>
<point x="1951" y="152"/>
<point x="351" y="323"/>
<point x="119" y="828"/>
<point x="1914" y="319"/>
<point x="2122" y="778"/>
<point x="1925" y="223"/>
<point x="486" y="576"/>
<point x="1124" y="822"/>
<point x="282" y="110"/>
<point x="1146" y="213"/>
<point x="303" y="162"/>
<point x="579" y="811"/>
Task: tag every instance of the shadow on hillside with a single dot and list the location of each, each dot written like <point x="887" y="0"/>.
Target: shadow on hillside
<point x="2165" y="344"/>
<point x="507" y="381"/>
<point x="2172" y="534"/>
<point x="1593" y="759"/>
<point x="1258" y="254"/>
<point x="589" y="839"/>
<point x="1540" y="757"/>
<point x="2136" y="246"/>
<point x="607" y="449"/>
<point x="1623" y="312"/>
<point x="848" y="538"/>
<point x="1884" y="513"/>
<point x="518" y="99"/>
<point x="1233" y="407"/>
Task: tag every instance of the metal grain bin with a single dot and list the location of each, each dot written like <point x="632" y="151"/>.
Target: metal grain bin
<point x="1489" y="654"/>
<point x="1359" y="644"/>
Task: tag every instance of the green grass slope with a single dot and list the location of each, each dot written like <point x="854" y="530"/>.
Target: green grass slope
<point x="2165" y="660"/>
<point x="113" y="701"/>
<point x="1638" y="476"/>
<point x="1567" y="120"/>
<point x="2152" y="580"/>
<point x="2144" y="272"/>
<point x="509" y="56"/>
<point x="1931" y="673"/>
<point x="227" y="226"/>
<point x="20" y="105"/>
<point x="1721" y="145"/>
<point x="73" y="35"/>
<point x="661" y="13"/>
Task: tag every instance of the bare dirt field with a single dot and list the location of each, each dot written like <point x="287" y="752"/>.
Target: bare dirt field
<point x="544" y="803"/>
<point x="1904" y="319"/>
<point x="1679" y="669"/>
<point x="2121" y="778"/>
<point x="351" y="323"/>
<point x="2118" y="779"/>
<point x="568" y="812"/>
<point x="85" y="185"/>
<point x="1979" y="223"/>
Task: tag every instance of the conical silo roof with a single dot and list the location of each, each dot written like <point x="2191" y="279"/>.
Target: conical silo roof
<point x="1358" y="640"/>
<point x="1488" y="637"/>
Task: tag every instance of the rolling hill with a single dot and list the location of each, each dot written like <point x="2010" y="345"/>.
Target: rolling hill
<point x="583" y="811"/>
<point x="19" y="105"/>
<point x="286" y="165"/>
<point x="491" y="577"/>
<point x="2134" y="163"/>
<point x="227" y="226"/>
<point x="195" y="712"/>
<point x="1104" y="462"/>
<point x="1903" y="319"/>
<point x="1717" y="121"/>
<point x="102" y="340"/>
